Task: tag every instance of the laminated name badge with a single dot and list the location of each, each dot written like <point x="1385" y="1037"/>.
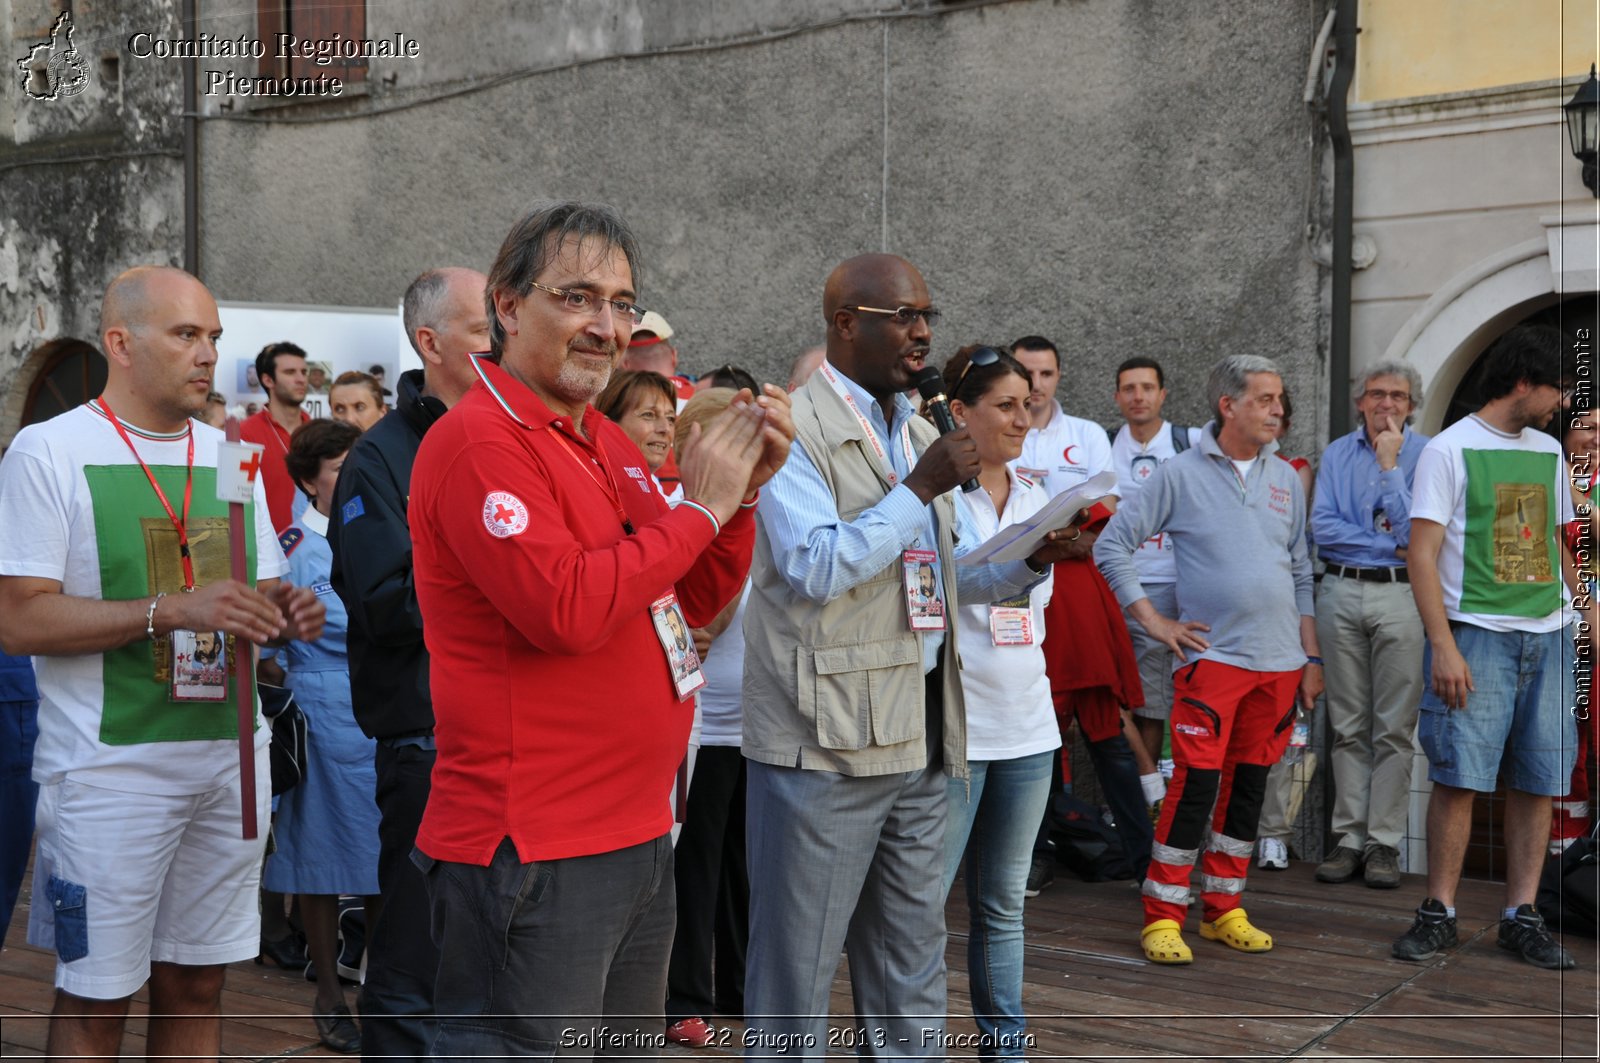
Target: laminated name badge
<point x="1011" y="621"/>
<point x="678" y="645"/>
<point x="924" y="607"/>
<point x="199" y="666"/>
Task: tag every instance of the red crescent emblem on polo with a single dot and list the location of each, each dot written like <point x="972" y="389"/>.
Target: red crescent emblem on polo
<point x="1067" y="454"/>
<point x="504" y="514"/>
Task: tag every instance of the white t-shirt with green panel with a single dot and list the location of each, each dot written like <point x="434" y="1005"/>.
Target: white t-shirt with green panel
<point x="1500" y="498"/>
<point x="76" y="507"/>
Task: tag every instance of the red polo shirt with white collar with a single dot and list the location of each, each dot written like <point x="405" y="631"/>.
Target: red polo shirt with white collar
<point x="275" y="478"/>
<point x="556" y="719"/>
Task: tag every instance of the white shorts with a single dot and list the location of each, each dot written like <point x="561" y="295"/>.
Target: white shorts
<point x="121" y="880"/>
<point x="1155" y="660"/>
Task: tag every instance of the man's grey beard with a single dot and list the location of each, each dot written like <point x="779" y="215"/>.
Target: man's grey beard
<point x="575" y="383"/>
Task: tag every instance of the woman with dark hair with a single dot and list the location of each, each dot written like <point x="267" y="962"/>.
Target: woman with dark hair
<point x="1011" y="731"/>
<point x="326" y="827"/>
<point x="645" y="407"/>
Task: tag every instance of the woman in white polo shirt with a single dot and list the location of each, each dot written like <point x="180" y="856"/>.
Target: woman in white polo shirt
<point x="1011" y="728"/>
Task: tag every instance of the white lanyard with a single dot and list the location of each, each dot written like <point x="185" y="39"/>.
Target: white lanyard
<point x="872" y="434"/>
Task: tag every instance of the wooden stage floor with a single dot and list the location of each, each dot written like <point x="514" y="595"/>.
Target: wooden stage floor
<point x="1328" y="991"/>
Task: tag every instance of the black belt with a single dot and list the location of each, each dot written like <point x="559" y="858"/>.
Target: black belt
<point x="1397" y="574"/>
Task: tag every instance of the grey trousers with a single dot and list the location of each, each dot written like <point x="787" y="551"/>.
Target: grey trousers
<point x="1372" y="641"/>
<point x="845" y="862"/>
<point x="557" y="957"/>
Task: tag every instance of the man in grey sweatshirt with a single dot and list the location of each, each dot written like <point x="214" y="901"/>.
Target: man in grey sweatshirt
<point x="1245" y="642"/>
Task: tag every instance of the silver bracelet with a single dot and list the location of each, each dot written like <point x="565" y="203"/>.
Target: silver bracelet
<point x="150" y="616"/>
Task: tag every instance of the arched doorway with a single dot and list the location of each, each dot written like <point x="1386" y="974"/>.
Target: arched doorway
<point x="1574" y="316"/>
<point x="70" y="372"/>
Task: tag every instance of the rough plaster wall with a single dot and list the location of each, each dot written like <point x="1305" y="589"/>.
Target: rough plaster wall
<point x="1125" y="176"/>
<point x="67" y="227"/>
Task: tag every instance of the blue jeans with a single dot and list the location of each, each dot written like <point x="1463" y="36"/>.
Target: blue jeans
<point x="1000" y="816"/>
<point x="19" y="728"/>
<point x="1518" y="720"/>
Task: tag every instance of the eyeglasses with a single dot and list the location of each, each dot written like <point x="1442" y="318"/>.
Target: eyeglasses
<point x="904" y="315"/>
<point x="984" y="356"/>
<point x="577" y="302"/>
<point x="1399" y="398"/>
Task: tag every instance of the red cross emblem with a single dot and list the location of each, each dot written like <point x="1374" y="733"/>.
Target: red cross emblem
<point x="251" y="467"/>
<point x="504" y="514"/>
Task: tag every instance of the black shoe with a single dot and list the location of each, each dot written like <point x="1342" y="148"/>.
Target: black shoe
<point x="1041" y="874"/>
<point x="1434" y="929"/>
<point x="1525" y="934"/>
<point x="339" y="1031"/>
<point x="288" y="952"/>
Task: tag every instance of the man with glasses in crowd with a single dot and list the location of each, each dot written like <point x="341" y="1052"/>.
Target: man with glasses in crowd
<point x="852" y="697"/>
<point x="1368" y="627"/>
<point x="543" y="558"/>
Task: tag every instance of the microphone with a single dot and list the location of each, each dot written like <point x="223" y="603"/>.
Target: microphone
<point x="930" y="385"/>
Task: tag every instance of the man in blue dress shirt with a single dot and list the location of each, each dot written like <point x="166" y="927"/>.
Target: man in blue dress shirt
<point x="1368" y="625"/>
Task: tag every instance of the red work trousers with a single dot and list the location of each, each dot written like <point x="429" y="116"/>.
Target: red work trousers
<point x="1229" y="726"/>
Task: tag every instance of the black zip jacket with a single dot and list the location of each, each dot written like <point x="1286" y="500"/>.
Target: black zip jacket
<point x="371" y="543"/>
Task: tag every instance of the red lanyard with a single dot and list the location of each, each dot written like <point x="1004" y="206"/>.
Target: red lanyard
<point x="181" y="526"/>
<point x="609" y="487"/>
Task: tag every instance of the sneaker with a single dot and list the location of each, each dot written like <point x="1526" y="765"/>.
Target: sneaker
<point x="1340" y="867"/>
<point x="1273" y="855"/>
<point x="1434" y="929"/>
<point x="1526" y="935"/>
<point x="1383" y="867"/>
<point x="1040" y="875"/>
<point x="691" y="1033"/>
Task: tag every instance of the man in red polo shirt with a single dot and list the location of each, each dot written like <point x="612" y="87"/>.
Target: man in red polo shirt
<point x="281" y="368"/>
<point x="546" y="565"/>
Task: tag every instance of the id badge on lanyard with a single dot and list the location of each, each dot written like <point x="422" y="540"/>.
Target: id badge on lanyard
<point x="683" y="660"/>
<point x="924" y="607"/>
<point x="1011" y="622"/>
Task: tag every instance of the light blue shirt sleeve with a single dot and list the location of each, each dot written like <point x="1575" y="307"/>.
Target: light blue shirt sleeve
<point x="819" y="555"/>
<point x="822" y="557"/>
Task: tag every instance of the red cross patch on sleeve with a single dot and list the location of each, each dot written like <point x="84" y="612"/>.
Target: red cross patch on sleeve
<point x="504" y="514"/>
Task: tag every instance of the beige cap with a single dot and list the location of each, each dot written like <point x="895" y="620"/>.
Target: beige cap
<point x="652" y="323"/>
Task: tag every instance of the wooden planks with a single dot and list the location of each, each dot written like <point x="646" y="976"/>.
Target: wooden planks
<point x="1329" y="990"/>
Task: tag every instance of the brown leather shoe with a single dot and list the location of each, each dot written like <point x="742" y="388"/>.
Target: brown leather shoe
<point x="1340" y="867"/>
<point x="1383" y="867"/>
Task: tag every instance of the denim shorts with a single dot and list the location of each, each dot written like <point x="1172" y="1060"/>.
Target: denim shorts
<point x="1518" y="718"/>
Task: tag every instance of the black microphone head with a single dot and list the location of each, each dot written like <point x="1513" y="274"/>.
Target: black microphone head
<point x="929" y="382"/>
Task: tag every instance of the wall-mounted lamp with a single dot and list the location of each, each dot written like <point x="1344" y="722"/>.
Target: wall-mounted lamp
<point x="1583" y="127"/>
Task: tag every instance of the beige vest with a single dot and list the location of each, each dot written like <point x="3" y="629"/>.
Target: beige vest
<point x="838" y="686"/>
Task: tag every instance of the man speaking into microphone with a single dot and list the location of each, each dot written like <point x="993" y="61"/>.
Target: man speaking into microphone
<point x="852" y="696"/>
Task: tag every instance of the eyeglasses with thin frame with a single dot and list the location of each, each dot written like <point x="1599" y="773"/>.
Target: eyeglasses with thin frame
<point x="1399" y="398"/>
<point x="984" y="356"/>
<point x="904" y="315"/>
<point x="580" y="302"/>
